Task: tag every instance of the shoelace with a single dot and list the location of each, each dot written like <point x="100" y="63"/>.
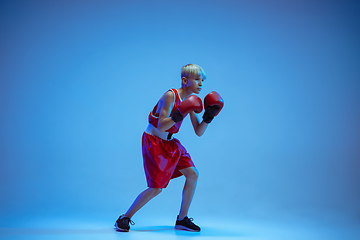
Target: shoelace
<point x="189" y="220"/>
<point x="127" y="220"/>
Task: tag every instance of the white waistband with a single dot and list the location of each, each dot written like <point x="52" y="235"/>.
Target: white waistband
<point x="155" y="132"/>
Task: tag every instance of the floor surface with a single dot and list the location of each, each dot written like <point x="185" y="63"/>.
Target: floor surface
<point x="51" y="228"/>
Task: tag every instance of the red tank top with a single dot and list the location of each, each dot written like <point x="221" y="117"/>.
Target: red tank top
<point x="153" y="120"/>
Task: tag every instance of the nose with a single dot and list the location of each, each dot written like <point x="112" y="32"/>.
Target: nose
<point x="200" y="83"/>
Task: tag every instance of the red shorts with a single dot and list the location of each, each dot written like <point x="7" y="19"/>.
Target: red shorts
<point x="163" y="159"/>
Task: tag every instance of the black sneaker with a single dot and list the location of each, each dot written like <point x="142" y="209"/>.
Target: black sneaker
<point x="122" y="224"/>
<point x="186" y="224"/>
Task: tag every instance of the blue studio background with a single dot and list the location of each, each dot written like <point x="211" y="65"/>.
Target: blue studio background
<point x="78" y="79"/>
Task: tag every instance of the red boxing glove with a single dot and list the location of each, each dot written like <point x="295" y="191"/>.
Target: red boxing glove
<point x="192" y="103"/>
<point x="213" y="104"/>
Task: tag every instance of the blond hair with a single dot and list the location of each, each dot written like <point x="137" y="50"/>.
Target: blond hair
<point x="193" y="71"/>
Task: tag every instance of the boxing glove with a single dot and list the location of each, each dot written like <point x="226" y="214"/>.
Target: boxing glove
<point x="213" y="103"/>
<point x="192" y="103"/>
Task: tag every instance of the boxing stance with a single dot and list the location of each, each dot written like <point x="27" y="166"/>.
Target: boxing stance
<point x="164" y="157"/>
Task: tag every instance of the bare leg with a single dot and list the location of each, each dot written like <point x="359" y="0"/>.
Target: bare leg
<point x="141" y="200"/>
<point x="191" y="175"/>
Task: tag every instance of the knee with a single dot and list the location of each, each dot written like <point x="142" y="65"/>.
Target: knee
<point x="155" y="191"/>
<point x="193" y="174"/>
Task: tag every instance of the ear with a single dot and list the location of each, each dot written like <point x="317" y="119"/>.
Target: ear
<point x="184" y="81"/>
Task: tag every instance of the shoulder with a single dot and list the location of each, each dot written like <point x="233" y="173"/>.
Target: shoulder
<point x="168" y="96"/>
<point x="165" y="102"/>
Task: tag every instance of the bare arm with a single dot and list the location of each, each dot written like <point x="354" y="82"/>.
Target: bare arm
<point x="199" y="127"/>
<point x="166" y="101"/>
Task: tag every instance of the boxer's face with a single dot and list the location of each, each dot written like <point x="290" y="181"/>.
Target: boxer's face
<point x="195" y="84"/>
